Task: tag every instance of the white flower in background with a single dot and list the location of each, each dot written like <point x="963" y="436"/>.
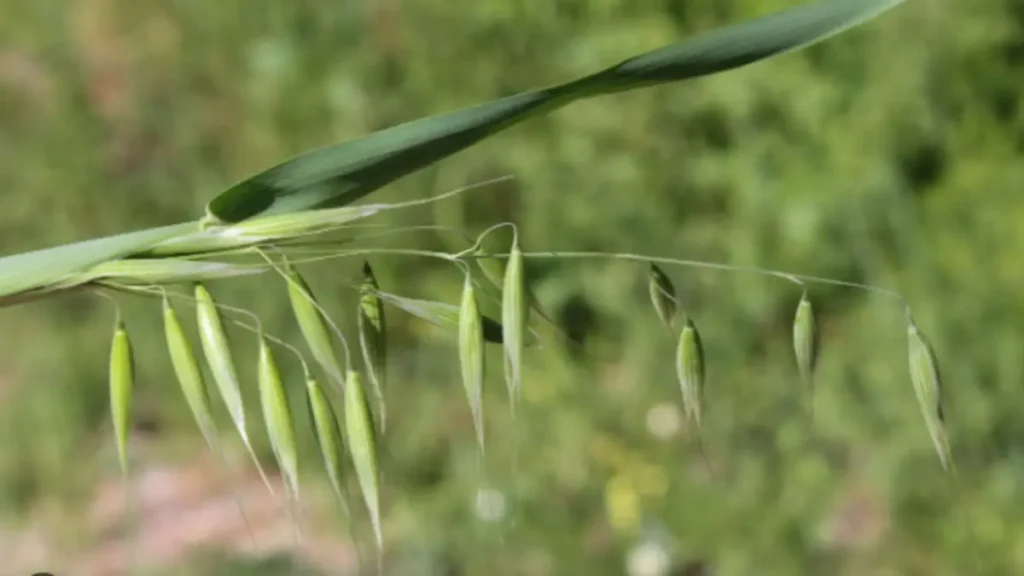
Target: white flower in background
<point x="490" y="505"/>
<point x="664" y="421"/>
<point x="648" y="559"/>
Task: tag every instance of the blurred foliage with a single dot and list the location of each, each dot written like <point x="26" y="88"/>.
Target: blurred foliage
<point x="889" y="155"/>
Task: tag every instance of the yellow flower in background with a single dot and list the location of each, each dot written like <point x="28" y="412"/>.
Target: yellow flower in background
<point x="651" y="481"/>
<point x="607" y="451"/>
<point x="622" y="504"/>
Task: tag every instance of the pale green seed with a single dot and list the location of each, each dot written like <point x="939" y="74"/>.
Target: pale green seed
<point x="513" y="320"/>
<point x="806" y="342"/>
<point x="362" y="446"/>
<point x="663" y="296"/>
<point x="494" y="272"/>
<point x="328" y="436"/>
<point x="927" y="381"/>
<point x="122" y="384"/>
<point x="217" y="350"/>
<point x="373" y="340"/>
<point x="312" y="325"/>
<point x="219" y="358"/>
<point x="690" y="371"/>
<point x="471" y="355"/>
<point x="277" y="417"/>
<point x="189" y="376"/>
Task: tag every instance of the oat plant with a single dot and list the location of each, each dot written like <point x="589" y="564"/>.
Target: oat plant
<point x="289" y="216"/>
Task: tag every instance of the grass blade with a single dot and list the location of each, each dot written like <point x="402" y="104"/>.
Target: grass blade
<point x="164" y="271"/>
<point x="471" y="355"/>
<point x="342" y="174"/>
<point x="362" y="445"/>
<point x="217" y="349"/>
<point x="41" y="268"/>
<point x="373" y="340"/>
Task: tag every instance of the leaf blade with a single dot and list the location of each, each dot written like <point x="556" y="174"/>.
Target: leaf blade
<point x="341" y="174"/>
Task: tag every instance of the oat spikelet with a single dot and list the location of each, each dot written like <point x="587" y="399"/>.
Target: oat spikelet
<point x="219" y="358"/>
<point x="927" y="380"/>
<point x="806" y="344"/>
<point x="362" y="446"/>
<point x="513" y="320"/>
<point x="690" y="372"/>
<point x="471" y="355"/>
<point x="373" y="340"/>
<point x="663" y="296"/>
<point x="122" y="386"/>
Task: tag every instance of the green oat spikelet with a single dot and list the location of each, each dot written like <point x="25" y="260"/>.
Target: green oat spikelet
<point x="806" y="344"/>
<point x="277" y="416"/>
<point x="493" y="270"/>
<point x="327" y="432"/>
<point x="189" y="375"/>
<point x="927" y="381"/>
<point x="663" y="296"/>
<point x="373" y="340"/>
<point x="513" y="320"/>
<point x="217" y="349"/>
<point x="312" y="324"/>
<point x="193" y="386"/>
<point x="471" y="355"/>
<point x="122" y="385"/>
<point x="691" y="374"/>
<point x="362" y="446"/>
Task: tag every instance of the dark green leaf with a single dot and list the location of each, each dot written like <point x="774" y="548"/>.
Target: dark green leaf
<point x="344" y="173"/>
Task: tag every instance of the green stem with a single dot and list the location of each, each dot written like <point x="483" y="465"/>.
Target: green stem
<point x="798" y="279"/>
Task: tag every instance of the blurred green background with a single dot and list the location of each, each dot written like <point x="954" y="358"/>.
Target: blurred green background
<point x="889" y="155"/>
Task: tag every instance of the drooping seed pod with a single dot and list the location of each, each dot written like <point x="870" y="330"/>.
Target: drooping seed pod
<point x="927" y="381"/>
<point x="663" y="296"/>
<point x="189" y="376"/>
<point x="691" y="374"/>
<point x="313" y="325"/>
<point x="122" y="385"/>
<point x="471" y="355"/>
<point x="277" y="417"/>
<point x="690" y="371"/>
<point x="217" y="349"/>
<point x="193" y="385"/>
<point x="806" y="343"/>
<point x="373" y="340"/>
<point x="327" y="432"/>
<point x="362" y="445"/>
<point x="493" y="270"/>
<point x="513" y="320"/>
